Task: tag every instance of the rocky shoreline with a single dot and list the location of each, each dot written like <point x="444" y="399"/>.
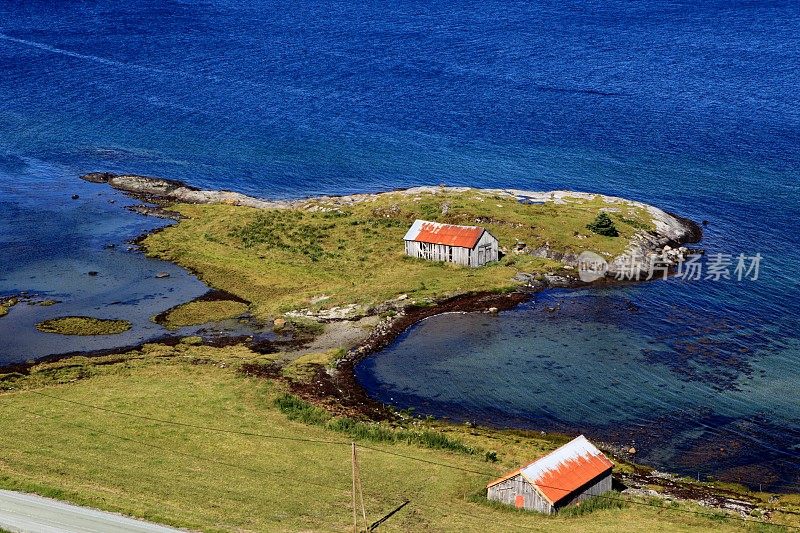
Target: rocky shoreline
<point x="664" y="246"/>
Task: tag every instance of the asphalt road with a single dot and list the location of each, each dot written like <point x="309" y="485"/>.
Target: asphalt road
<point x="27" y="513"/>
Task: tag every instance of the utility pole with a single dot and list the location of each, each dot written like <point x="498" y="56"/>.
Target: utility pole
<point x="357" y="487"/>
<point x="353" y="461"/>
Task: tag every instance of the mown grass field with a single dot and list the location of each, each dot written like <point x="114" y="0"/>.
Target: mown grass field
<point x="323" y="254"/>
<point x="181" y="474"/>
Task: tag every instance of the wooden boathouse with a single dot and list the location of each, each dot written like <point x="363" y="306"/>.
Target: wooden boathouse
<point x="572" y="473"/>
<point x="465" y="245"/>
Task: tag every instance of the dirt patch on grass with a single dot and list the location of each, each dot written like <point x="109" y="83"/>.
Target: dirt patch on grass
<point x="339" y="334"/>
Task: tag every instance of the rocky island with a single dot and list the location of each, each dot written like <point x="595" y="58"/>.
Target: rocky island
<point x="330" y="271"/>
<point x="546" y="225"/>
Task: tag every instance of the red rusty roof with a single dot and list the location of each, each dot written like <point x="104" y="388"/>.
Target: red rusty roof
<point x="563" y="471"/>
<point x="447" y="234"/>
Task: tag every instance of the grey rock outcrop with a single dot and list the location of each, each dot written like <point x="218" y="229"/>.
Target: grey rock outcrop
<point x="670" y="231"/>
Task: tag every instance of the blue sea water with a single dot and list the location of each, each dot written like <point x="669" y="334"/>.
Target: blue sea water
<point x="689" y="106"/>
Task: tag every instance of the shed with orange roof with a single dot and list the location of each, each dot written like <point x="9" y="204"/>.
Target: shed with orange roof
<point x="464" y="245"/>
<point x="572" y="473"/>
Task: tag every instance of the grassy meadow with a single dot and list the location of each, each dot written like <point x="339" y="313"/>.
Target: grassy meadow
<point x="324" y="254"/>
<point x="130" y="433"/>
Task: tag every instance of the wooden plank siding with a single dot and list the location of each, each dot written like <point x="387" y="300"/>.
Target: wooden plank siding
<point x="487" y="249"/>
<point x="438" y="252"/>
<point x="532" y="500"/>
<point x="508" y="490"/>
<point x="596" y="487"/>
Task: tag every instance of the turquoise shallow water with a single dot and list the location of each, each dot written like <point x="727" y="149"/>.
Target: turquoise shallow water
<point x="696" y="397"/>
<point x="689" y="107"/>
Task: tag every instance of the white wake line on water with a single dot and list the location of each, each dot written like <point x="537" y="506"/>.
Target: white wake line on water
<point x="96" y="59"/>
<point x="143" y="68"/>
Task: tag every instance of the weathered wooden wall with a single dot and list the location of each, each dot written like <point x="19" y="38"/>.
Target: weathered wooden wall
<point x="438" y="252"/>
<point x="486" y="250"/>
<point x="508" y="490"/>
<point x="594" y="488"/>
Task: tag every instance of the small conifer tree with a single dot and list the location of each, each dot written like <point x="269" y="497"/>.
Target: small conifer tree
<point x="603" y="225"/>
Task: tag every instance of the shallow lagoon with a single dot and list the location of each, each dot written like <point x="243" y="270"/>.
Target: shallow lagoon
<point x="51" y="242"/>
<point x="716" y="400"/>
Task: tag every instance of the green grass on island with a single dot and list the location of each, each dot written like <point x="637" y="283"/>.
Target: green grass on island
<point x="201" y="312"/>
<point x="10" y="301"/>
<point x="324" y="254"/>
<point x="180" y="435"/>
<point x="83" y="325"/>
<point x="6" y="305"/>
